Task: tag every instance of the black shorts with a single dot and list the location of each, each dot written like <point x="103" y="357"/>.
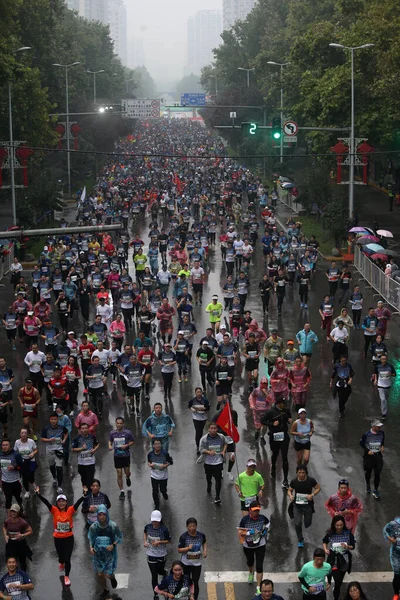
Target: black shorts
<point x="3" y="417"/>
<point x="147" y="370"/>
<point x="223" y="390"/>
<point x="231" y="447"/>
<point x="197" y="288"/>
<point x="299" y="446"/>
<point x="251" y="364"/>
<point x="122" y="462"/>
<point x="133" y="391"/>
<point x="243" y="504"/>
<point x="8" y="394"/>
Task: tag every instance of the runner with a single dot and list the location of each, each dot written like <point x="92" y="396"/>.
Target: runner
<point x="302" y="429"/>
<point x="54" y="436"/>
<point x="338" y="543"/>
<point x="391" y="533"/>
<point x="10" y="464"/>
<point x="301" y="492"/>
<point x="86" y="445"/>
<point x="159" y="425"/>
<point x="313" y="576"/>
<point x="63" y="529"/>
<point x="193" y="547"/>
<point x="27" y="448"/>
<point x="155" y="538"/>
<point x="16" y="529"/>
<point x="92" y="500"/>
<point x="176" y="584"/>
<point x="346" y="504"/>
<point x="104" y="536"/>
<point x="158" y="460"/>
<point x="213" y="447"/>
<point x="253" y="532"/>
<point x="15" y="583"/>
<point x="250" y="486"/>
<point x="120" y="441"/>
<point x="373" y="444"/>
<point x="199" y="405"/>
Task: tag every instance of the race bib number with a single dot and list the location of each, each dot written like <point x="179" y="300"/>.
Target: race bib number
<point x="29" y="407"/>
<point x="118" y="442"/>
<point x="279" y="436"/>
<point x="193" y="555"/>
<point x="248" y="501"/>
<point x="63" y="527"/>
<point x="301" y="498"/>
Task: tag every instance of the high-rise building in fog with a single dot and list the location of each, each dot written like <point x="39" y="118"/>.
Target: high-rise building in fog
<point x="232" y="10"/>
<point x="203" y="35"/>
<point x="109" y="12"/>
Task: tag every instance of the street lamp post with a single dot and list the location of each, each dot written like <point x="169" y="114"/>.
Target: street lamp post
<point x="281" y="65"/>
<point x="66" y="67"/>
<point x="94" y="73"/>
<point x="352" y="142"/>
<point x="11" y="145"/>
<point x="248" y="74"/>
<point x="216" y="84"/>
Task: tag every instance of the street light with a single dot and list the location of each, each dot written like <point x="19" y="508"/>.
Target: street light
<point x="248" y="74"/>
<point x="216" y="84"/>
<point x="11" y="144"/>
<point x="66" y="67"/>
<point x="281" y="65"/>
<point x="94" y="73"/>
<point x="352" y="144"/>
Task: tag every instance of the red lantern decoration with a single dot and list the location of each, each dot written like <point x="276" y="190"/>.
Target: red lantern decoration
<point x="75" y="129"/>
<point x="60" y="130"/>
<point x="3" y="155"/>
<point x="339" y="149"/>
<point x="364" y="149"/>
<point x="23" y="153"/>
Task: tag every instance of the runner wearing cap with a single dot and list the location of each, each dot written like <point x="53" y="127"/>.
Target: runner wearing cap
<point x="249" y="485"/>
<point x="253" y="532"/>
<point x="63" y="529"/>
<point x="16" y="529"/>
<point x="215" y="309"/>
<point x="158" y="460"/>
<point x="302" y="429"/>
<point x="155" y="539"/>
<point x="313" y="576"/>
<point x="197" y="281"/>
<point x="373" y="444"/>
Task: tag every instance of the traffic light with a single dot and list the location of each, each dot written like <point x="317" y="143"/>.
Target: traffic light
<point x="276" y="128"/>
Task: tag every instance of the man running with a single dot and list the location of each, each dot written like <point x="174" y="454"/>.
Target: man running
<point x="120" y="441"/>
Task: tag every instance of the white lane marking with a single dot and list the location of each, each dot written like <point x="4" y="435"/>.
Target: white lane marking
<point x="123" y="580"/>
<point x="241" y="577"/>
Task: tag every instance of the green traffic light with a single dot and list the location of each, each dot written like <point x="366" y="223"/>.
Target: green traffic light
<point x="277" y="135"/>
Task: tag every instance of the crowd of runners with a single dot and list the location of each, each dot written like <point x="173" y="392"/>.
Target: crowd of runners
<point x="120" y="311"/>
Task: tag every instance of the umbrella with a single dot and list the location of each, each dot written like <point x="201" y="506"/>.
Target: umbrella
<point x="375" y="248"/>
<point x="379" y="257"/>
<point x="390" y="252"/>
<point x="367" y="239"/>
<point x="357" y="230"/>
<point x="384" y="233"/>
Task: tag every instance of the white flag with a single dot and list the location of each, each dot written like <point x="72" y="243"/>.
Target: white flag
<point x="83" y="195"/>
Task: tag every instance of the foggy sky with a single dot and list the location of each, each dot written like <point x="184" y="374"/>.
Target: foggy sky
<point x="162" y="26"/>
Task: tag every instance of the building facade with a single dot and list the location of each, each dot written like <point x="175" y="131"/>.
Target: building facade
<point x="232" y="10"/>
<point x="109" y="12"/>
<point x="203" y="35"/>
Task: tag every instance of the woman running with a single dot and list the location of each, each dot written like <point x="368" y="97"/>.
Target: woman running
<point x="62" y="529"/>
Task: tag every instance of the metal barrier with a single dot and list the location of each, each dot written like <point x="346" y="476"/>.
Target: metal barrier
<point x="6" y="262"/>
<point x="384" y="285"/>
<point x="289" y="200"/>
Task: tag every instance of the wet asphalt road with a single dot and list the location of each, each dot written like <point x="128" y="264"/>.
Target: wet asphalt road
<point x="335" y="453"/>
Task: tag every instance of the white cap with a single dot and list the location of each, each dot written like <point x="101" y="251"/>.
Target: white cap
<point x="251" y="462"/>
<point x="222" y="326"/>
<point x="301" y="410"/>
<point x="156" y="516"/>
<point x="61" y="497"/>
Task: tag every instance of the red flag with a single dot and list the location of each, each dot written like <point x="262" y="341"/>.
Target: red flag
<point x="225" y="423"/>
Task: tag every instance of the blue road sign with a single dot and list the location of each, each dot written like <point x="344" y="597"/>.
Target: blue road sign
<point x="193" y="100"/>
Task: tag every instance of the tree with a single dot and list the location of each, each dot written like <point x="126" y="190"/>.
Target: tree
<point x="189" y="84"/>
